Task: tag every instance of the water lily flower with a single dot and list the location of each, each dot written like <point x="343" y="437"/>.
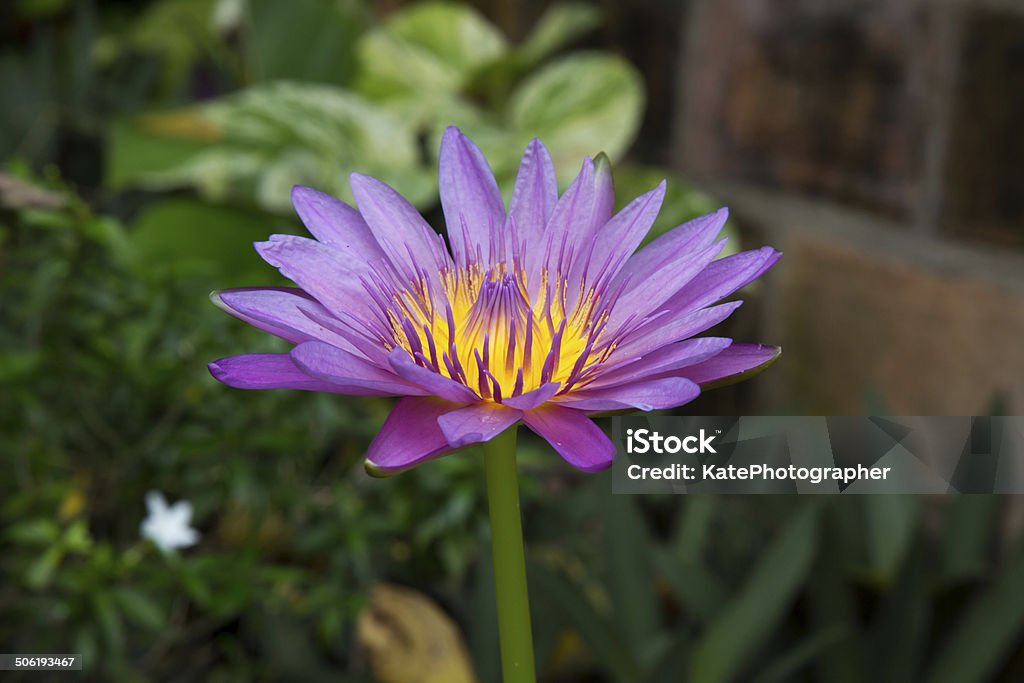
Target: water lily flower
<point x="541" y="313"/>
<point x="168" y="525"/>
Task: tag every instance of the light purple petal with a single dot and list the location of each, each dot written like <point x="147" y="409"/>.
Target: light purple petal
<point x="322" y="271"/>
<point x="281" y="311"/>
<point x="267" y="371"/>
<point x="573" y="435"/>
<point x="334" y="222"/>
<point x="473" y="208"/>
<point x="671" y="357"/>
<point x="533" y="197"/>
<point x="736" y="363"/>
<point x="723" y="277"/>
<point x="668" y="329"/>
<point x="571" y="217"/>
<point x="535" y="397"/>
<point x="409" y="436"/>
<point x="476" y="423"/>
<point x="357" y="375"/>
<point x="650" y="394"/>
<point x="620" y="236"/>
<point x="433" y="382"/>
<point x="648" y="291"/>
<point x="689" y="237"/>
<point x="408" y="240"/>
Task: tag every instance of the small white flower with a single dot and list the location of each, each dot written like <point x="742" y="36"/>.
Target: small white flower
<point x="168" y="526"/>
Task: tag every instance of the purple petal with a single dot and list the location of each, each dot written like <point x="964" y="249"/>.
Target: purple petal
<point x="534" y="195"/>
<point x="408" y="240"/>
<point x="473" y="209"/>
<point x="623" y="233"/>
<point x="282" y="311"/>
<point x="476" y="423"/>
<point x="409" y="436"/>
<point x="668" y="329"/>
<point x="267" y="371"/>
<point x="687" y="238"/>
<point x="723" y="277"/>
<point x="434" y="383"/>
<point x="334" y="222"/>
<point x="736" y="363"/>
<point x="355" y="374"/>
<point x="648" y="291"/>
<point x="532" y="399"/>
<point x="569" y="220"/>
<point x="322" y="271"/>
<point x="573" y="435"/>
<point x="651" y="394"/>
<point x="671" y="357"/>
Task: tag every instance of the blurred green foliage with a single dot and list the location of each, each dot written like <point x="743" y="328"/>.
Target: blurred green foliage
<point x="182" y="124"/>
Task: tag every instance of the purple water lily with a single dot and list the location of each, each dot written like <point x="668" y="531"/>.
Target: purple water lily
<point x="542" y="314"/>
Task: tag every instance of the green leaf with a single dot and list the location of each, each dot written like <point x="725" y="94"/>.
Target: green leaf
<point x="580" y="105"/>
<point x="749" y="620"/>
<point x="789" y="664"/>
<point x="629" y="572"/>
<point x="966" y="541"/>
<point x="139" y="607"/>
<point x="891" y="522"/>
<point x="428" y="51"/>
<point x="986" y="634"/>
<point x="328" y="29"/>
<point x="560" y="24"/>
<point x="602" y="641"/>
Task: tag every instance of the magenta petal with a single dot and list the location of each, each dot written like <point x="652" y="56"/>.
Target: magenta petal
<point x="652" y="394"/>
<point x="334" y="222"/>
<point x="573" y="435"/>
<point x="357" y="375"/>
<point x="473" y="208"/>
<point x="407" y="239"/>
<point x="668" y="329"/>
<point x="409" y="436"/>
<point x="671" y="357"/>
<point x="723" y="277"/>
<point x="532" y="399"/>
<point x="737" y="362"/>
<point x="434" y="383"/>
<point x="329" y="275"/>
<point x="267" y="371"/>
<point x="282" y="311"/>
<point x="623" y="233"/>
<point x="646" y="292"/>
<point x="534" y="195"/>
<point x="686" y="238"/>
<point x="476" y="423"/>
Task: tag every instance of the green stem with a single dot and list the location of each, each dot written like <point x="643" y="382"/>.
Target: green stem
<point x="509" y="560"/>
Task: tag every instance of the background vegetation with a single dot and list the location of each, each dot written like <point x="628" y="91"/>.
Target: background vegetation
<point x="145" y="146"/>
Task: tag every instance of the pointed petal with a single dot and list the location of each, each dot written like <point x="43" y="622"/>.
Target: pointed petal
<point x="282" y="311"/>
<point x="409" y="436"/>
<point x="473" y="208"/>
<point x="736" y="363"/>
<point x="327" y="274"/>
<point x="534" y="195"/>
<point x="532" y="399"/>
<point x="408" y="240"/>
<point x="355" y="374"/>
<point x="650" y="394"/>
<point x="267" y="371"/>
<point x="573" y="435"/>
<point x="650" y="290"/>
<point x="620" y="236"/>
<point x="434" y="383"/>
<point x="667" y="358"/>
<point x="477" y="423"/>
<point x="668" y="329"/>
<point x="723" y="277"/>
<point x="334" y="222"/>
<point x="689" y="237"/>
<point x="571" y="217"/>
